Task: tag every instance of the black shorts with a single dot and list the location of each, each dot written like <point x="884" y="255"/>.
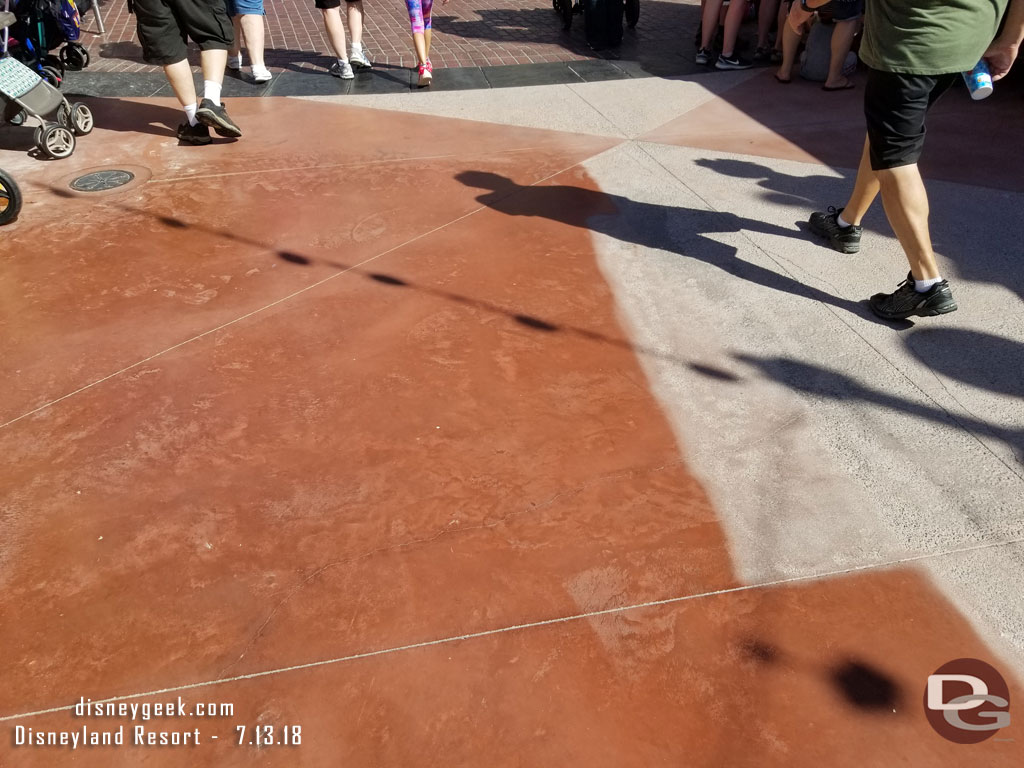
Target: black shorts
<point x="895" y="106"/>
<point x="165" y="26"/>
<point x="324" y="5"/>
<point x="838" y="10"/>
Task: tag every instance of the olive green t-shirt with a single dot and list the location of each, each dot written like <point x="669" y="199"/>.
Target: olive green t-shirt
<point x="928" y="37"/>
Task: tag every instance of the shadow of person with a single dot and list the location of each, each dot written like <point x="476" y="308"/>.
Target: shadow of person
<point x="980" y="359"/>
<point x="822" y="382"/>
<point x="789" y="189"/>
<point x="683" y="231"/>
<point x="135" y="117"/>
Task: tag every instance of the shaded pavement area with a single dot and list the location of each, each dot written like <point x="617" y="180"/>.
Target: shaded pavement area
<point x="460" y="431"/>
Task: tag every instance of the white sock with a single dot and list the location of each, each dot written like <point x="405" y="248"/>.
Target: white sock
<point x="211" y="91"/>
<point x="923" y="286"/>
<point x="190" y="113"/>
<point x="343" y="61"/>
<point x="357" y="46"/>
<point x="842" y="222"/>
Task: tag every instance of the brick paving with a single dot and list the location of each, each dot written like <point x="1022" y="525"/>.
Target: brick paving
<point x="466" y="33"/>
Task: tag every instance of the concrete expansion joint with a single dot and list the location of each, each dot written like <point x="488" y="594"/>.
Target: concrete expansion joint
<point x="531" y="625"/>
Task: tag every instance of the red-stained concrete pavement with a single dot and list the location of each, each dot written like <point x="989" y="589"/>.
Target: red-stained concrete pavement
<point x="281" y="403"/>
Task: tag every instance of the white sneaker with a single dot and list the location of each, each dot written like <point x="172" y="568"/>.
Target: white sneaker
<point x="358" y="57"/>
<point x="235" y="62"/>
<point x="261" y="74"/>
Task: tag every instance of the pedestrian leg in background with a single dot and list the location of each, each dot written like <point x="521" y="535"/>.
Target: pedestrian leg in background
<point x="358" y="57"/>
<point x="336" y="34"/>
<point x="247" y="17"/>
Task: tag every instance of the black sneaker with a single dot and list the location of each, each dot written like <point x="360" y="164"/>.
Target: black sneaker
<point x="193" y="134"/>
<point x="826" y="224"/>
<point x="906" y="301"/>
<point x="216" y="116"/>
<point x="735" y="62"/>
<point x="763" y="55"/>
<point x="703" y="56"/>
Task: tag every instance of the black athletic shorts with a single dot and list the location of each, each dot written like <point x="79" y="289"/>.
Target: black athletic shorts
<point x="323" y="5"/>
<point x="165" y="26"/>
<point x="895" y="106"/>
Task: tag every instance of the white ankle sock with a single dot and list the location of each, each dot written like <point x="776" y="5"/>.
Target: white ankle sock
<point x="923" y="286"/>
<point x="343" y="61"/>
<point x="842" y="222"/>
<point x="190" y="113"/>
<point x="211" y="91"/>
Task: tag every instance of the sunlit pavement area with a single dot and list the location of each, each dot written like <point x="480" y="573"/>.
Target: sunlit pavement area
<point x="508" y="427"/>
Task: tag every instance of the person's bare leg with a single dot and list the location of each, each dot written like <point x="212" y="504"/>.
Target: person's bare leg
<point x="426" y="40"/>
<point x="780" y="23"/>
<point x="733" y="22"/>
<point x="906" y="207"/>
<point x="355" y="22"/>
<point x="179" y="75"/>
<point x="790" y="45"/>
<point x="236" y="47"/>
<point x="709" y="22"/>
<point x="842" y="40"/>
<point x="335" y="32"/>
<point x="213" y="63"/>
<point x="419" y="43"/>
<point x="765" y="15"/>
<point x="252" y="28"/>
<point x="865" y="189"/>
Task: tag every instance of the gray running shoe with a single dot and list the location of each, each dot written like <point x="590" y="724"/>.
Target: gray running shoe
<point x="703" y="56"/>
<point x="358" y="58"/>
<point x="826" y="224"/>
<point x="342" y="69"/>
<point x="906" y="302"/>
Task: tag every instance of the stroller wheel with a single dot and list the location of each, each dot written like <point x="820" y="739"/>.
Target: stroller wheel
<point x="74" y="57"/>
<point x="10" y="199"/>
<point x="53" y="76"/>
<point x="57" y="142"/>
<point x="13" y="114"/>
<point x="64" y="114"/>
<point x="81" y="119"/>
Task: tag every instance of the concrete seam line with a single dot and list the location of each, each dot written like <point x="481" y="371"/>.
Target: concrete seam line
<point x="272" y="304"/>
<point x="527" y="625"/>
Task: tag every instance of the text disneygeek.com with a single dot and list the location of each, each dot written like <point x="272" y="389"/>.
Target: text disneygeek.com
<point x="152" y="734"/>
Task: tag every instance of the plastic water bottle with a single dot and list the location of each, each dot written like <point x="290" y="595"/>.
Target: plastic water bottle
<point x="979" y="81"/>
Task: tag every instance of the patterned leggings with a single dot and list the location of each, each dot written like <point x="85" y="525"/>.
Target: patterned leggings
<point x="419" y="14"/>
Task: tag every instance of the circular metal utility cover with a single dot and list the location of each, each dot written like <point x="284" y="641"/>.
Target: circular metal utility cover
<point x="101" y="181"/>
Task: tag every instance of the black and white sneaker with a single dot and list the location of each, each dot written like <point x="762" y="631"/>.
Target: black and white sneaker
<point x="703" y="56"/>
<point x="216" y="116"/>
<point x="733" y="62"/>
<point x="826" y="224"/>
<point x="193" y="134"/>
<point x="906" y="302"/>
